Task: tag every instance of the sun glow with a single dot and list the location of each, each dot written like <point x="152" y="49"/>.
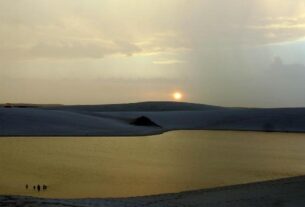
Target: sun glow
<point x="177" y="96"/>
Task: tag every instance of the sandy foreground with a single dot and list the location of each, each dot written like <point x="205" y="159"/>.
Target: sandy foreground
<point x="284" y="192"/>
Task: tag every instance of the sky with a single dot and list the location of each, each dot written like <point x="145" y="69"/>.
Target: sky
<point x="230" y="53"/>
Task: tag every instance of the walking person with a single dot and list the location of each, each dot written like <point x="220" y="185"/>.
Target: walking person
<point x="44" y="187"/>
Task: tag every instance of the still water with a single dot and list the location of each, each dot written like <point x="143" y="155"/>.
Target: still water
<point x="130" y="166"/>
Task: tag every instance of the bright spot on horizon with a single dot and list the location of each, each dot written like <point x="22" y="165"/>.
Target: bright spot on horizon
<point x="177" y="96"/>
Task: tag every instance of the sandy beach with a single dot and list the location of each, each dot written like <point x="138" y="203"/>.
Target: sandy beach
<point x="284" y="192"/>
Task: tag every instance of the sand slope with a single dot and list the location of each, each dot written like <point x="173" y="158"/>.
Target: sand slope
<point x="289" y="192"/>
<point x="115" y="119"/>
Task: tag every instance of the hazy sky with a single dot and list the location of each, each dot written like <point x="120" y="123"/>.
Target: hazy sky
<point x="223" y="52"/>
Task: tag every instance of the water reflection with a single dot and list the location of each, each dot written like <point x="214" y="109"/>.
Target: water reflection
<point x="175" y="161"/>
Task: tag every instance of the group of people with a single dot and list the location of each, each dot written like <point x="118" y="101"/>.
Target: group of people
<point x="37" y="187"/>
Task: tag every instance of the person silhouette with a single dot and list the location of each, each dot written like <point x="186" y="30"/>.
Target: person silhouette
<point x="44" y="187"/>
<point x="38" y="187"/>
<point x="26" y="186"/>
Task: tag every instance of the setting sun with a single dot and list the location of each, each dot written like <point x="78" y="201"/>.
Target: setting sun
<point x="177" y="96"/>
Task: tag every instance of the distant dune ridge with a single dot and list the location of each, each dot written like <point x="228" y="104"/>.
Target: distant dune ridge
<point x="117" y="119"/>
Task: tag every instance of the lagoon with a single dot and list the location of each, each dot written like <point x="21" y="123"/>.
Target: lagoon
<point x="99" y="167"/>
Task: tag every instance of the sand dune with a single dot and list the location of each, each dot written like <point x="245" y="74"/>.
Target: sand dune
<point x="115" y="119"/>
<point x="289" y="192"/>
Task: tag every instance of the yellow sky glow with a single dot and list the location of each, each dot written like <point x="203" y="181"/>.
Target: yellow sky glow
<point x="85" y="52"/>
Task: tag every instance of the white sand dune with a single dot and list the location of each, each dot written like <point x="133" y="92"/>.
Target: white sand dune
<point x="43" y="122"/>
<point x="289" y="192"/>
<point x="114" y="120"/>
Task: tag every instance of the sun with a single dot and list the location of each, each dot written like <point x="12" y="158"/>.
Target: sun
<point x="177" y="96"/>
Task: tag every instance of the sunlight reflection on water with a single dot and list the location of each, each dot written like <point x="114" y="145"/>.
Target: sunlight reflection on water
<point x="130" y="166"/>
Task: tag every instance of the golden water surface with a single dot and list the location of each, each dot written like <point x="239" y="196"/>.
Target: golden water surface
<point x="132" y="166"/>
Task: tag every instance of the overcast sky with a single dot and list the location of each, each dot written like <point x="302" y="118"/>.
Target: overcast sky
<point x="222" y="52"/>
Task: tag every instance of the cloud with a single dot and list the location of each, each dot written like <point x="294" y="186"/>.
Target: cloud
<point x="53" y="42"/>
<point x="220" y="50"/>
<point x="280" y="29"/>
<point x="82" y="49"/>
<point x="70" y="49"/>
<point x="163" y="43"/>
<point x="168" y="62"/>
<point x="72" y="29"/>
<point x="89" y="48"/>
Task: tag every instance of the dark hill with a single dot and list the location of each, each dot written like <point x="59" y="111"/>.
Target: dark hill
<point x="144" y="121"/>
<point x="142" y="106"/>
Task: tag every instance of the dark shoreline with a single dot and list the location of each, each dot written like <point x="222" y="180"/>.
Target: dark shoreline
<point x="280" y="192"/>
<point x="144" y="134"/>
